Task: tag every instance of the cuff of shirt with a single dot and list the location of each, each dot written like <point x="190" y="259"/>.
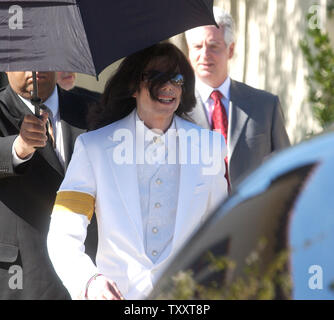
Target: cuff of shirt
<point x="16" y="160"/>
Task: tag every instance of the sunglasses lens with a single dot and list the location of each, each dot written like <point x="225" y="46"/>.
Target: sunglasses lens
<point x="177" y="80"/>
<point x="152" y="75"/>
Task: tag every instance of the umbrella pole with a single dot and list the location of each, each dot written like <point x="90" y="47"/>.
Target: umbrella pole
<point x="35" y="99"/>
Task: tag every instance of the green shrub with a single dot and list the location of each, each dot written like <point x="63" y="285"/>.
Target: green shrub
<point x="319" y="54"/>
<point x="258" y="281"/>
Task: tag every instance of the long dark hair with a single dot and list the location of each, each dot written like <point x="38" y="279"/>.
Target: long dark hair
<point x="117" y="100"/>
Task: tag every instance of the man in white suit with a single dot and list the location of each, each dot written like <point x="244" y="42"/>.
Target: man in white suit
<point x="147" y="176"/>
<point x="254" y="118"/>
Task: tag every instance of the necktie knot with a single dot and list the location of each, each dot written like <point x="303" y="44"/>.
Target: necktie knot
<point x="216" y="95"/>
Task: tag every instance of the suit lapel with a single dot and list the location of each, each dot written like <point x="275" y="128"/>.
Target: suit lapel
<point x="198" y="114"/>
<point x="69" y="132"/>
<point x="185" y="219"/>
<point x="16" y="110"/>
<point x="238" y="116"/>
<point x="125" y="174"/>
<point x="51" y="157"/>
<point x="68" y="142"/>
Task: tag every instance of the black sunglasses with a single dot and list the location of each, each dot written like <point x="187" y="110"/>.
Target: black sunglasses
<point x="174" y="78"/>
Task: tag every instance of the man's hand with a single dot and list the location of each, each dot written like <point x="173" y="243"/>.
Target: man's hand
<point x="32" y="135"/>
<point x="102" y="289"/>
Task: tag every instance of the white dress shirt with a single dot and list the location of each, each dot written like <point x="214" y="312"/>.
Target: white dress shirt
<point x="205" y="91"/>
<point x="158" y="182"/>
<point x="53" y="104"/>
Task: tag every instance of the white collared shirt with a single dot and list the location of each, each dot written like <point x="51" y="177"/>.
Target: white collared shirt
<point x="53" y="104"/>
<point x="158" y="182"/>
<point x="205" y="91"/>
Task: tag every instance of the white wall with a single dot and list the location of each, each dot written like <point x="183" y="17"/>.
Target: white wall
<point x="268" y="55"/>
<point x="91" y="83"/>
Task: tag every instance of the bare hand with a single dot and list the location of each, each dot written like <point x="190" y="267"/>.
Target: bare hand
<point x="102" y="289"/>
<point x="32" y="135"/>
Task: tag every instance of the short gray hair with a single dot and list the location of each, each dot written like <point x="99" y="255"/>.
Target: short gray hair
<point x="226" y="22"/>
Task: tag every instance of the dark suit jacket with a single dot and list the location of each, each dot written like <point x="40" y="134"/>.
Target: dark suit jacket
<point x="27" y="196"/>
<point x="256" y="128"/>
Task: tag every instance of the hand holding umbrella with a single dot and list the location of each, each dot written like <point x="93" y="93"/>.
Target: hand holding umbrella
<point x="32" y="135"/>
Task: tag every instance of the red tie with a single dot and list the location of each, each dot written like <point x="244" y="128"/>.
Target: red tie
<point x="220" y="122"/>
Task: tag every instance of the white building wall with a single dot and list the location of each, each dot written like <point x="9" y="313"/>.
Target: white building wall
<point x="268" y="55"/>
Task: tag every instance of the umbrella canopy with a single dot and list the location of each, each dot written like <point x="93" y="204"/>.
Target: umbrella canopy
<point x="86" y="36"/>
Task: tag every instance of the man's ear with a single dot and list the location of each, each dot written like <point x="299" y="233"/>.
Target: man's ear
<point x="231" y="50"/>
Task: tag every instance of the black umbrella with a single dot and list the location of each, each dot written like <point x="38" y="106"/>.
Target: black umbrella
<point x="86" y="36"/>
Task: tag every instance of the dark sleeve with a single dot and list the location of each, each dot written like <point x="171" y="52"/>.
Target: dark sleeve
<point x="6" y="158"/>
<point x="279" y="136"/>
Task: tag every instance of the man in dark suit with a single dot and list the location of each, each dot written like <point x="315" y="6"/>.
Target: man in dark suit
<point x="32" y="167"/>
<point x="251" y="119"/>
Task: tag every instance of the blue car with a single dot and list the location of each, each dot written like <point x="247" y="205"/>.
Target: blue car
<point x="273" y="238"/>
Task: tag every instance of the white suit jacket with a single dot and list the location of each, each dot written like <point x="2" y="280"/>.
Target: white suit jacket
<point x="96" y="181"/>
